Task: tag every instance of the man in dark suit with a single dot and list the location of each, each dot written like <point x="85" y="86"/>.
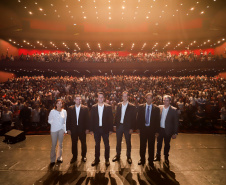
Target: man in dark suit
<point x="125" y="120"/>
<point x="77" y="126"/>
<point x="148" y="125"/>
<point x="101" y="125"/>
<point x="168" y="128"/>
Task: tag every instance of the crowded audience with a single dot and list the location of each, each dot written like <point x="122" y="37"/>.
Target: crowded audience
<point x="25" y="102"/>
<point x="114" y="57"/>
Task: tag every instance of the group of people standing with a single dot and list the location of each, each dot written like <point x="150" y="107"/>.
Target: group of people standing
<point x="150" y="121"/>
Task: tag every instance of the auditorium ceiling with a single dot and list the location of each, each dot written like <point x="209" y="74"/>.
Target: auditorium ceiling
<point x="113" y="25"/>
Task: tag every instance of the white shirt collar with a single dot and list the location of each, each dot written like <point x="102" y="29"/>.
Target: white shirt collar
<point x="166" y="108"/>
<point x="101" y="106"/>
<point x="125" y="104"/>
<point x="78" y="106"/>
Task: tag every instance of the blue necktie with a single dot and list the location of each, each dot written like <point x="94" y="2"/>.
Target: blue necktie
<point x="147" y="116"/>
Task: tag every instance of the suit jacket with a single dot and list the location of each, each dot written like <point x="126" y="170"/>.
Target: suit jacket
<point x="107" y="119"/>
<point x="172" y="120"/>
<point x="154" y="119"/>
<point x="129" y="118"/>
<point x="83" y="119"/>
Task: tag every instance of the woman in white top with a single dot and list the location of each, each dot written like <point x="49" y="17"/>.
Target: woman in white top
<point x="57" y="119"/>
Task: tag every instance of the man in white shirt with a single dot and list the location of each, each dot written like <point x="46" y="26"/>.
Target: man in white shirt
<point x="125" y="120"/>
<point x="101" y="125"/>
<point x="168" y="128"/>
<point x="77" y="126"/>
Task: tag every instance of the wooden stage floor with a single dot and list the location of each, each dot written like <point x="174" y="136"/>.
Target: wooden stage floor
<point x="195" y="159"/>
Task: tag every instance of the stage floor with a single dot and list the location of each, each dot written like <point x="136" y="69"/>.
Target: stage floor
<point x="195" y="159"/>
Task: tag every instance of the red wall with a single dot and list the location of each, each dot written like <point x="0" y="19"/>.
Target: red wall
<point x="34" y="51"/>
<point x="4" y="76"/>
<point x="221" y="50"/>
<point x="196" y="51"/>
<point x="6" y="46"/>
<point x="121" y="53"/>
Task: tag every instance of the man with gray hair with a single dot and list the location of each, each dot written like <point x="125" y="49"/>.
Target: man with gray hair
<point x="168" y="127"/>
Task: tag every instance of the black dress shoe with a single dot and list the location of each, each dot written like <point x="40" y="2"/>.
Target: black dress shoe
<point x="151" y="164"/>
<point x="129" y="160"/>
<point x="59" y="161"/>
<point x="157" y="159"/>
<point x="107" y="162"/>
<point x="73" y="160"/>
<point x="52" y="163"/>
<point x="84" y="159"/>
<point x="116" y="158"/>
<point x="141" y="162"/>
<point x="95" y="162"/>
